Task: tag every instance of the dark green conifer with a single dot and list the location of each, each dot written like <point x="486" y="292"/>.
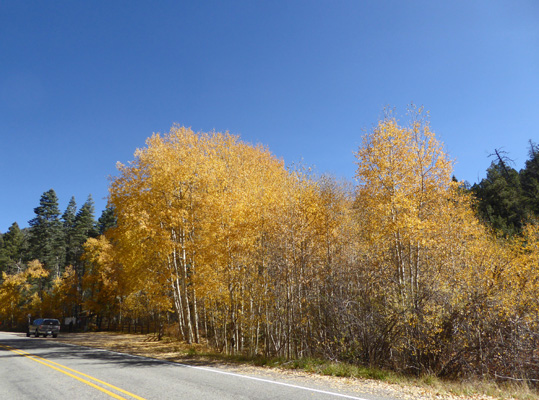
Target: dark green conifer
<point x="68" y="219"/>
<point x="12" y="249"/>
<point x="529" y="177"/>
<point x="500" y="198"/>
<point x="46" y="234"/>
<point x="84" y="228"/>
<point x="107" y="220"/>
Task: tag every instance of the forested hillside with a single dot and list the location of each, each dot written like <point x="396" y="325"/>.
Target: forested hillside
<point x="405" y="269"/>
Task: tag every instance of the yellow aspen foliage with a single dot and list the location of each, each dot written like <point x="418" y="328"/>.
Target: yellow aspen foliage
<point x="64" y="296"/>
<point x="453" y="293"/>
<point x="396" y="272"/>
<point x="420" y="232"/>
<point x="404" y="193"/>
<point x="22" y="293"/>
<point x="103" y="283"/>
<point x="520" y="275"/>
<point x="189" y="214"/>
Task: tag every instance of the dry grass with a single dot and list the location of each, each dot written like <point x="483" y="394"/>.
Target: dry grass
<point x="143" y="345"/>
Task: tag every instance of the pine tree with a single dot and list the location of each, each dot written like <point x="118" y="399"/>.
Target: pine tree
<point x="84" y="228"/>
<point x="529" y="178"/>
<point x="85" y="225"/>
<point x="500" y="199"/>
<point x="68" y="228"/>
<point x="107" y="220"/>
<point x="12" y="249"/>
<point x="3" y="256"/>
<point x="46" y="239"/>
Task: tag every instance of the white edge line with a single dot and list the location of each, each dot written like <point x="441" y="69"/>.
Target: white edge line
<point x="217" y="371"/>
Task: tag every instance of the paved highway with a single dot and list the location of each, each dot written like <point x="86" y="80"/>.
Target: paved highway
<point x="42" y="368"/>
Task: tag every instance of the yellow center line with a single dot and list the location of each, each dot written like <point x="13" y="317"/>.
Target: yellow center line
<point x="51" y="364"/>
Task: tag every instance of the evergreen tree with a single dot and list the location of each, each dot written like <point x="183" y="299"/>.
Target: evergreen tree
<point x="500" y="198"/>
<point x="85" y="224"/>
<point x="84" y="228"/>
<point x="46" y="238"/>
<point x="68" y="219"/>
<point x="529" y="177"/>
<point x="12" y="249"/>
<point x="3" y="255"/>
<point x="107" y="220"/>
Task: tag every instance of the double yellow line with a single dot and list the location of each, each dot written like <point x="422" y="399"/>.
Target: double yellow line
<point x="71" y="373"/>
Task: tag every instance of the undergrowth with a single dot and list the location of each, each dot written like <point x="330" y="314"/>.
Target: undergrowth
<point x="465" y="389"/>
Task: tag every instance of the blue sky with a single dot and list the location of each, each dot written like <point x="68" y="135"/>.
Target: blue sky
<point x="84" y="83"/>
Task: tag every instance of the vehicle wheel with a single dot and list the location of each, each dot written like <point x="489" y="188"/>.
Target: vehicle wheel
<point x="27" y="333"/>
<point x="36" y="334"/>
<point x="53" y="335"/>
<point x="44" y="335"/>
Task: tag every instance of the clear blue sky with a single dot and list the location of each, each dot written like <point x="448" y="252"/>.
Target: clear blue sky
<point x="84" y="83"/>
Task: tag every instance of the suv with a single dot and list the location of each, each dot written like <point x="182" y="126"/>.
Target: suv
<point x="44" y="326"/>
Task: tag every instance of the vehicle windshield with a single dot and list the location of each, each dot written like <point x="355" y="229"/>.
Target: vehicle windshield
<point x="51" y="322"/>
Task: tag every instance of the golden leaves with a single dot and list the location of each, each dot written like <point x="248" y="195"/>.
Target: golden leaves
<point x="208" y="222"/>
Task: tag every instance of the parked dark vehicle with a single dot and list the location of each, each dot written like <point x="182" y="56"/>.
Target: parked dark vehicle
<point x="44" y="326"/>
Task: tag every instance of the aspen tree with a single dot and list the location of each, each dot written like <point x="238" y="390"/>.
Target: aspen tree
<point x="103" y="284"/>
<point x="404" y="178"/>
<point x="155" y="199"/>
<point x="22" y="293"/>
<point x="406" y="195"/>
<point x="65" y="296"/>
<point x="188" y="217"/>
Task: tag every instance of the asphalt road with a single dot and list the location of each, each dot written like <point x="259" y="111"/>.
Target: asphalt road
<point x="41" y="368"/>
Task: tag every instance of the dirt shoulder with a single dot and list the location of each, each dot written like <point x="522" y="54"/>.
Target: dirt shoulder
<point x="173" y="351"/>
